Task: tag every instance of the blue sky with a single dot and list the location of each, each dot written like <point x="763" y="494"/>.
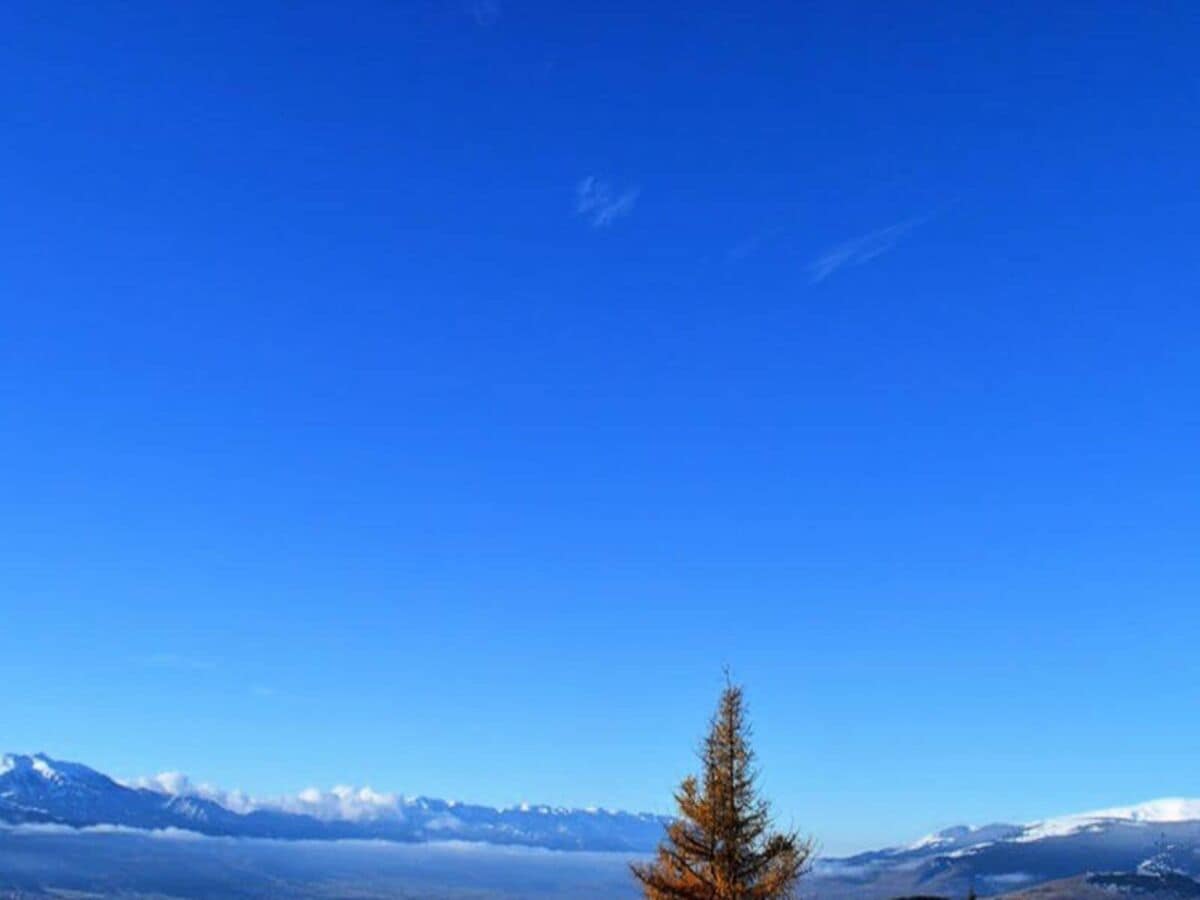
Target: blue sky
<point x="436" y="395"/>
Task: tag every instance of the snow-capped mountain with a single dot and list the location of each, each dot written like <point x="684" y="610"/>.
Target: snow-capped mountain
<point x="39" y="790"/>
<point x="1151" y="850"/>
<point x="1153" y="847"/>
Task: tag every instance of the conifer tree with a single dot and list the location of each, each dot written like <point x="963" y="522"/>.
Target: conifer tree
<point x="722" y="846"/>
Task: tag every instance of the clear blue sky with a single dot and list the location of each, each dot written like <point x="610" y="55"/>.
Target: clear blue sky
<point x="436" y="395"/>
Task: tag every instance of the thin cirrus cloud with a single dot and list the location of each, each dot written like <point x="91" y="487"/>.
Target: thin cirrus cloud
<point x="861" y="250"/>
<point x="485" y="12"/>
<point x="600" y="204"/>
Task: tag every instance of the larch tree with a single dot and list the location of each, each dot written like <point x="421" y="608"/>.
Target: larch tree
<point x="723" y="845"/>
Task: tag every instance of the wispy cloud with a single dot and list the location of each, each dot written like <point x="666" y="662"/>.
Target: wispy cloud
<point x="338" y="803"/>
<point x="485" y="12"/>
<point x="601" y="204"/>
<point x="169" y="833"/>
<point x="177" y="784"/>
<point x="861" y="249"/>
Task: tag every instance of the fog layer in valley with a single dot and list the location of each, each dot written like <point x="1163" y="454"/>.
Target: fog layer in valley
<point x="48" y="861"/>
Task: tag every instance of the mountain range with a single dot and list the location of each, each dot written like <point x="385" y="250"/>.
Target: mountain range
<point x="1148" y="850"/>
<point x="1151" y="850"/>
<point x="35" y="789"/>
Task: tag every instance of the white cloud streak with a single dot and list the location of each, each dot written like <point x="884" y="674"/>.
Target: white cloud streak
<point x="860" y="250"/>
<point x="177" y="784"/>
<point x="341" y="803"/>
<point x="601" y="204"/>
<point x="485" y="12"/>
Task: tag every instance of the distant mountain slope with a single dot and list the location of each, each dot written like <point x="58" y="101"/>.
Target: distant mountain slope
<point x="1152" y="850"/>
<point x="38" y="789"/>
<point x="1157" y="842"/>
<point x="1113" y="887"/>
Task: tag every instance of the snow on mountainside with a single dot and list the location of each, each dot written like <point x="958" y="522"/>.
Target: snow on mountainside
<point x="1155" y="847"/>
<point x="1170" y="809"/>
<point x="1152" y="850"/>
<point x="39" y="790"/>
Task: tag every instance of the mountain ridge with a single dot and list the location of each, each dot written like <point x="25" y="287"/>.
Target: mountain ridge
<point x="1150" y="849"/>
<point x="37" y="789"/>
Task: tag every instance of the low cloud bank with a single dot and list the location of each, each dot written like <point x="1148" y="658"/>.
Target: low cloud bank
<point x="341" y="803"/>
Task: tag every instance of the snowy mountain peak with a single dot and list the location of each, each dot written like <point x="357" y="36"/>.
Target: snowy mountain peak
<point x="37" y="764"/>
<point x="36" y="789"/>
<point x="1150" y="849"/>
<point x="1166" y="810"/>
<point x="1159" y="836"/>
<point x="962" y="836"/>
<point x="40" y="768"/>
<point x="43" y="765"/>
